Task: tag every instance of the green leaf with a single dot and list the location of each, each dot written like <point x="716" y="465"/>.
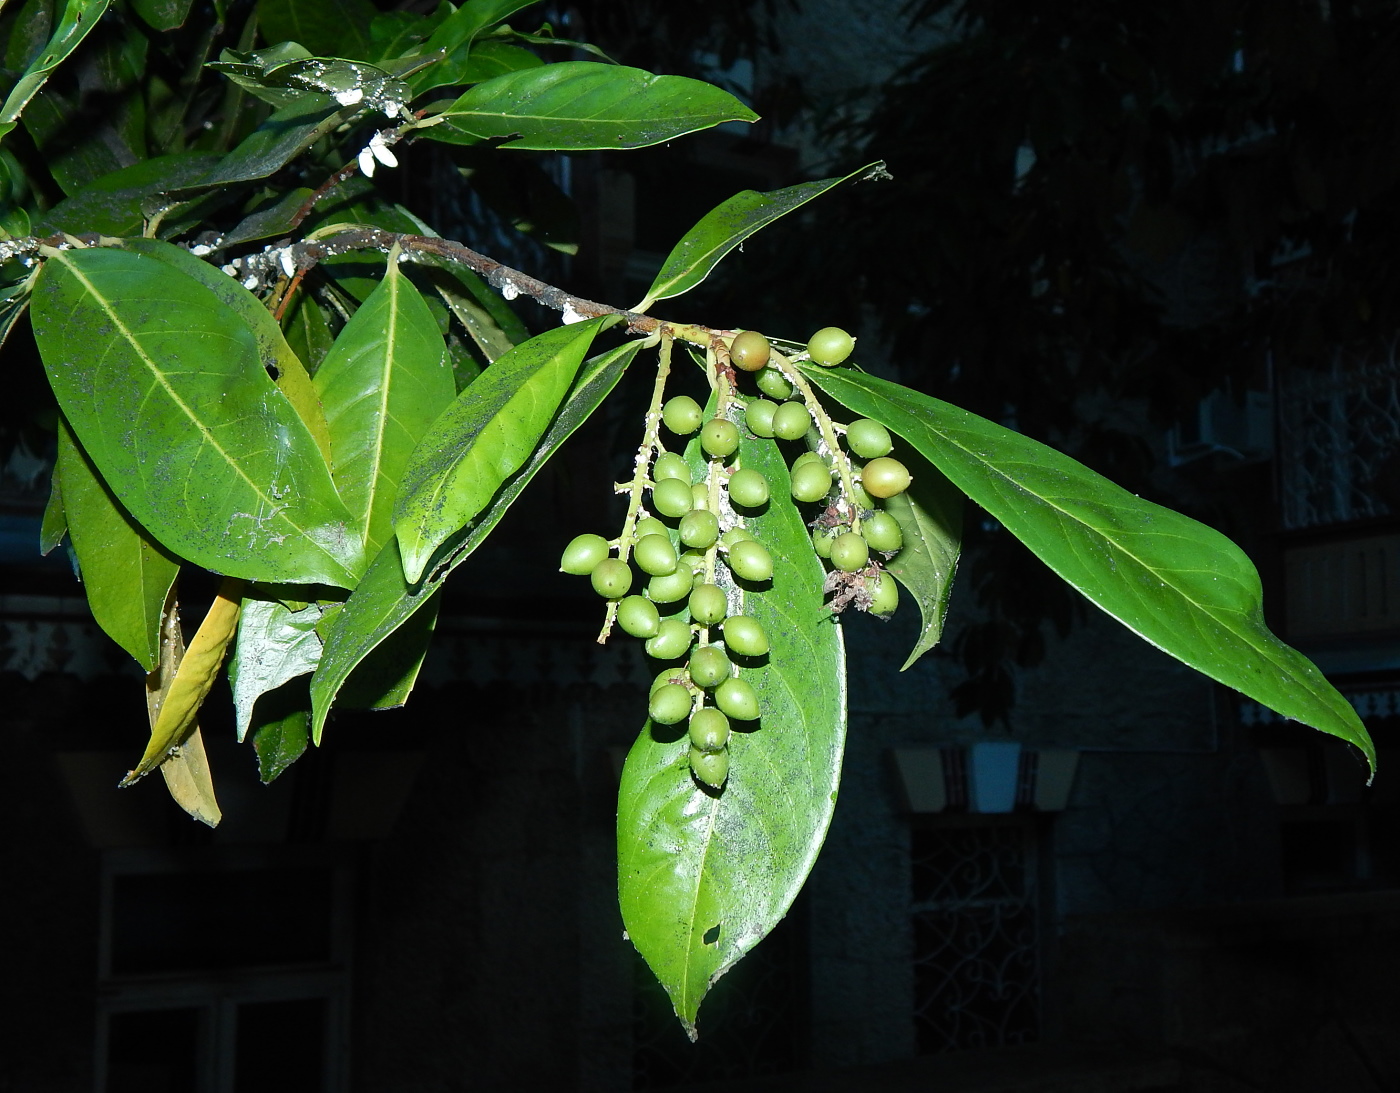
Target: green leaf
<point x="162" y="14"/>
<point x="383" y="601"/>
<point x="483" y="438"/>
<point x="269" y="222"/>
<point x="1178" y="584"/>
<point x="274" y="645"/>
<point x="385" y="678"/>
<point x="282" y="80"/>
<point x="79" y="17"/>
<point x="547" y="40"/>
<point x="115" y="203"/>
<point x="452" y="39"/>
<point x="280" y="139"/>
<point x="329" y="28"/>
<point x="725" y="227"/>
<point x="281" y="728"/>
<point x="165" y="386"/>
<point x="307" y="332"/>
<point x="488" y="60"/>
<point x="125" y="573"/>
<point x="703" y="877"/>
<point x="54" y="525"/>
<point x="493" y="326"/>
<point x="930" y="516"/>
<point x="577" y="106"/>
<point x="383" y="383"/>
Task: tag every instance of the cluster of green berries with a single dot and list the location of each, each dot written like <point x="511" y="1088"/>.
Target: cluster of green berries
<point x="849" y="528"/>
<point x="675" y="549"/>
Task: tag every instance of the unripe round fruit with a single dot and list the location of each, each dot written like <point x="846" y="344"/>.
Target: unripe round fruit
<point x="750" y="561"/>
<point x="693" y="560"/>
<point x="710" y="767"/>
<point x="791" y="421"/>
<point x="673" y="587"/>
<point x="682" y="415"/>
<point x="774" y="384"/>
<point x="829" y="346"/>
<point x="758" y="416"/>
<point x="611" y="578"/>
<point x="700" y="496"/>
<point x="884" y="594"/>
<point x="671" y="497"/>
<point x="655" y="556"/>
<point x="679" y="676"/>
<point x="737" y="699"/>
<point x="582" y="554"/>
<point x="885" y="477"/>
<point x="849" y="552"/>
<point x="744" y="636"/>
<point x="750" y="351"/>
<point x="670" y="465"/>
<point x="868" y="439"/>
<point x="637" y="615"/>
<point x="709" y="667"/>
<point x="699" y="529"/>
<point x="811" y="481"/>
<point x="822" y="539"/>
<point x="719" y="437"/>
<point x="808" y="457"/>
<point x="709" y="729"/>
<point x="735" y="535"/>
<point x="671" y="641"/>
<point x="748" y="488"/>
<point x="647" y="525"/>
<point x="669" y="704"/>
<point x="882" y="532"/>
<point x="708" y="604"/>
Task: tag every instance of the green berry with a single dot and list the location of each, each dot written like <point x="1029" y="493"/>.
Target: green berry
<point x="637" y="615"/>
<point x="647" y="525"/>
<point x="868" y="439"/>
<point x="750" y="351"/>
<point x="654" y="555"/>
<point x="829" y="346"/>
<point x="611" y="578"/>
<point x="748" y="488"/>
<point x="744" y="636"/>
<point x="750" y="560"/>
<point x="758" y="416"/>
<point x="882" y="532"/>
<point x="791" y="421"/>
<point x="884" y="594"/>
<point x="735" y="535"/>
<point x="671" y="641"/>
<point x="774" y="384"/>
<point x="885" y="477"/>
<point x="719" y="437"/>
<point x="849" y="552"/>
<point x="583" y="554"/>
<point x="693" y="560"/>
<point x="678" y="676"/>
<point x="709" y="729"/>
<point x="709" y="667"/>
<point x="699" y="529"/>
<point x="671" y="497"/>
<point x="682" y="415"/>
<point x="708" y="604"/>
<point x="673" y="587"/>
<point x="669" y="704"/>
<point x="811" y="481"/>
<point x="737" y="699"/>
<point x="808" y="457"/>
<point x="709" y="767"/>
<point x="822" y="539"/>
<point x="670" y="465"/>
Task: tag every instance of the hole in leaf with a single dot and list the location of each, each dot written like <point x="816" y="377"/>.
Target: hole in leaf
<point x="272" y="371"/>
<point x="712" y="934"/>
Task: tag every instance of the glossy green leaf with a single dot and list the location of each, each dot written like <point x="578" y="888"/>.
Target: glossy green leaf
<point x="280" y="139"/>
<point x="930" y="516"/>
<point x="329" y="28"/>
<point x="487" y="318"/>
<point x="274" y="645"/>
<point x="510" y="34"/>
<point x="584" y="105"/>
<point x="452" y="40"/>
<point x="383" y="383"/>
<point x="53" y="527"/>
<point x="1176" y="583"/>
<point x="385" y="678"/>
<point x="488" y="60"/>
<point x="384" y="601"/>
<point x="79" y="17"/>
<point x="281" y="728"/>
<point x="483" y="438"/>
<point x="162" y="14"/>
<point x="115" y="203"/>
<point x="704" y="876"/>
<point x="284" y="80"/>
<point x="306" y="330"/>
<point x="165" y="386"/>
<point x="725" y="227"/>
<point x="269" y="222"/>
<point x="125" y="573"/>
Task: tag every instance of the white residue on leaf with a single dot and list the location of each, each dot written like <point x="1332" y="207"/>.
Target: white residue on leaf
<point x="350" y="97"/>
